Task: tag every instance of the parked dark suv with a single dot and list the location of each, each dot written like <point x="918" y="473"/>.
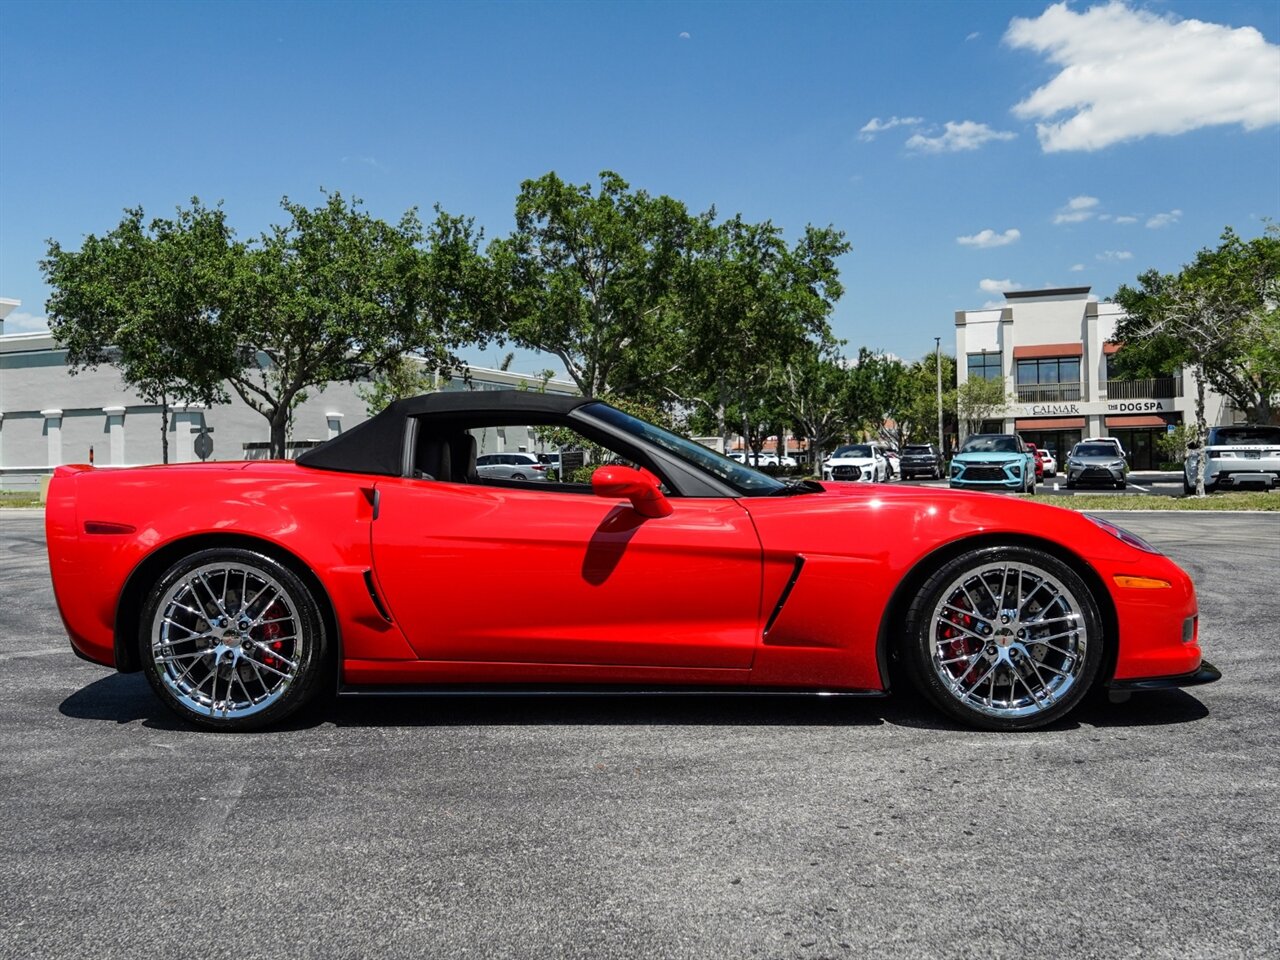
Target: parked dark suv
<point x="920" y="458"/>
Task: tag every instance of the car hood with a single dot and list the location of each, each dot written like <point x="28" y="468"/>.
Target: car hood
<point x="1098" y="461"/>
<point x="985" y="457"/>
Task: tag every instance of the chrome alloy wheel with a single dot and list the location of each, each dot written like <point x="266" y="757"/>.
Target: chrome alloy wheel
<point x="1008" y="639"/>
<point x="227" y="640"/>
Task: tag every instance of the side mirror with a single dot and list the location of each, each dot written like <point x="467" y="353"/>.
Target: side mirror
<point x="638" y="486"/>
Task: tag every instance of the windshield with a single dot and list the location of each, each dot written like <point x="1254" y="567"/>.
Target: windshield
<point x="748" y="482"/>
<point x="1095" y="450"/>
<point x="991" y="443"/>
<point x="911" y="450"/>
<point x="1245" y="436"/>
<point x="853" y="450"/>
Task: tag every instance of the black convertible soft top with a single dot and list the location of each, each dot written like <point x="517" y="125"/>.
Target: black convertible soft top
<point x="377" y="445"/>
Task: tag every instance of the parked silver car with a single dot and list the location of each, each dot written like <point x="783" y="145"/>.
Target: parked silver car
<point x="1096" y="462"/>
<point x="1246" y="455"/>
<point x="511" y="466"/>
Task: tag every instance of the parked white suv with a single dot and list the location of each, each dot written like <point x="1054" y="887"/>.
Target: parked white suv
<point x="1237" y="456"/>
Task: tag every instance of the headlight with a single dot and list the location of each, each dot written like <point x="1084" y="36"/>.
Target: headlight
<point x="1124" y="536"/>
<point x="1118" y="463"/>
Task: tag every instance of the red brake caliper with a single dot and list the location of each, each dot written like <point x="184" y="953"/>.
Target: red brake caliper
<point x="270" y="633"/>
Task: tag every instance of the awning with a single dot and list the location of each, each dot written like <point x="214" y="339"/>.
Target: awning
<point x="1110" y="348"/>
<point x="1052" y="423"/>
<point x="1043" y="350"/>
<point x="1142" y="420"/>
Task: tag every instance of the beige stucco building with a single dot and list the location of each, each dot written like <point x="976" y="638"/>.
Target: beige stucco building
<point x="1051" y="349"/>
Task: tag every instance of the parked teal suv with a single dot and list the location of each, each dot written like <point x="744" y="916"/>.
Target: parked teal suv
<point x="994" y="461"/>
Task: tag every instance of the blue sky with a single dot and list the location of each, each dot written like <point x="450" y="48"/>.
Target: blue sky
<point x="965" y="148"/>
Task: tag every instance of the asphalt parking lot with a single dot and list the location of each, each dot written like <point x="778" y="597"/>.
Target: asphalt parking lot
<point x="646" y="827"/>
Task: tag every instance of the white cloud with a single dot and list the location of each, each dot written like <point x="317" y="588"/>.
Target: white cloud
<point x="1127" y="74"/>
<point x="1077" y="267"/>
<point x="22" y="322"/>
<point x="965" y="135"/>
<point x="1164" y="219"/>
<point x="1077" y="210"/>
<point x="364" y="161"/>
<point x="684" y="34"/>
<point x="989" y="238"/>
<point x="1112" y="256"/>
<point x="1126" y="220"/>
<point x="998" y="286"/>
<point x="876" y="125"/>
<point x="973" y="36"/>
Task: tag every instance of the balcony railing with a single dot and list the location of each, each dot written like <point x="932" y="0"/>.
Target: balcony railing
<point x="1155" y="388"/>
<point x="1048" y="392"/>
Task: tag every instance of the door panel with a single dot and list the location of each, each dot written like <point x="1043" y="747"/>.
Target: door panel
<point x="488" y="574"/>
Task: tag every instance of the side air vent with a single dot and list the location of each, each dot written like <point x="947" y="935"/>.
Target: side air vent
<point x="373" y="595"/>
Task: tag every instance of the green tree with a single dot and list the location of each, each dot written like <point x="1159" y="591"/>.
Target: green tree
<point x="752" y="306"/>
<point x="338" y="295"/>
<point x="403" y="377"/>
<point x="143" y="299"/>
<point x="1220" y="316"/>
<point x="814" y="390"/>
<point x="917" y="421"/>
<point x="587" y="277"/>
<point x="979" y="399"/>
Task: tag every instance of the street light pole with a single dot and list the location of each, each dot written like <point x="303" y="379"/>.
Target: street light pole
<point x="937" y="366"/>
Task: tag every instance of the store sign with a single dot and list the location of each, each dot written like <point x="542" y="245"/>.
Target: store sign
<point x="1085" y="408"/>
<point x="1135" y="406"/>
<point x="1055" y="410"/>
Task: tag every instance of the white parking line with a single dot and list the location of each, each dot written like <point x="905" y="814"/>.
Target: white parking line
<point x="1136" y="487"/>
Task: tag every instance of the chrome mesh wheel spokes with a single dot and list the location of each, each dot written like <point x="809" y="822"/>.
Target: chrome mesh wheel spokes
<point x="227" y="640"/>
<point x="1008" y="639"/>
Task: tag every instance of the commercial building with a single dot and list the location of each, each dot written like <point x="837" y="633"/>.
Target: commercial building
<point x="1051" y="349"/>
<point x="49" y="416"/>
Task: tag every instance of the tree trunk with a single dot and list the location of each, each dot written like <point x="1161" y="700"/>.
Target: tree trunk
<point x="279" y="432"/>
<point x="164" y="429"/>
<point x="1202" y="432"/>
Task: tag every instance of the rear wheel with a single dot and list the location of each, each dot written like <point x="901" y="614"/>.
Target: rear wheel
<point x="231" y="639"/>
<point x="517" y="476"/>
<point x="1005" y="638"/>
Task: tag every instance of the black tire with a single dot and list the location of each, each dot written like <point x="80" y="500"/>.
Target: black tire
<point x="1071" y="484"/>
<point x="1121" y="484"/>
<point x="279" y="669"/>
<point x="922" y="631"/>
<point x="517" y="476"/>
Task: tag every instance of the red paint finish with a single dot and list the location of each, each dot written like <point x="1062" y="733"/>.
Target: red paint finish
<point x="475" y="573"/>
<point x="487" y="584"/>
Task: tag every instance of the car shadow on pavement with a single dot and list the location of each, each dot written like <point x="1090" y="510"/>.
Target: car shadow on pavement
<point x="127" y="698"/>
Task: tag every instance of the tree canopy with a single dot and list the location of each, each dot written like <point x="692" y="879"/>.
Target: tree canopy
<point x="1220" y="314"/>
<point x="142" y="297"/>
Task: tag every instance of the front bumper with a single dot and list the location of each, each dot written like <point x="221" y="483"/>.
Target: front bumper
<point x="1206" y="673"/>
<point x="1095" y="474"/>
<point x="987" y="475"/>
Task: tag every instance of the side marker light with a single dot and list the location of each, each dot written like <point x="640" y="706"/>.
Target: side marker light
<point x="1141" y="583"/>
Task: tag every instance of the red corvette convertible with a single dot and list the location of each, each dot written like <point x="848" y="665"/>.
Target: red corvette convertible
<point x="383" y="560"/>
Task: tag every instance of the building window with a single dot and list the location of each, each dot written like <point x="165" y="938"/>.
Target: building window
<point x="1048" y="381"/>
<point x="985" y="366"/>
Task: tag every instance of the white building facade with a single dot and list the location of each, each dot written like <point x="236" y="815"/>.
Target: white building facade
<point x="1050" y="347"/>
<point x="49" y="416"/>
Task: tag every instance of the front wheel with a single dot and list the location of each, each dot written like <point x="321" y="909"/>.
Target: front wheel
<point x="1005" y="638"/>
<point x="231" y="639"/>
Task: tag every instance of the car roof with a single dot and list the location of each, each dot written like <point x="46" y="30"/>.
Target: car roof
<point x="377" y="445"/>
